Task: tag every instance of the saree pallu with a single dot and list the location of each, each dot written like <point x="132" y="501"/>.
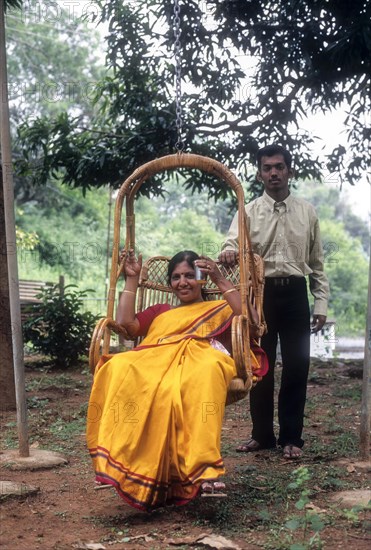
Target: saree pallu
<point x="155" y="413"/>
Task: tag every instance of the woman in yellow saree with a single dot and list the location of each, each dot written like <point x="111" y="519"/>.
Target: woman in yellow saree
<point x="155" y="413"/>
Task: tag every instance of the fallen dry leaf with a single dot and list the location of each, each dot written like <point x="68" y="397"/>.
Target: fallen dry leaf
<point x="145" y="537"/>
<point x="314" y="508"/>
<point x="88" y="546"/>
<point x="206" y="539"/>
<point x="217" y="541"/>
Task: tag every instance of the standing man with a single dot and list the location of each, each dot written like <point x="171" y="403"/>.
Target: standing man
<point x="284" y="230"/>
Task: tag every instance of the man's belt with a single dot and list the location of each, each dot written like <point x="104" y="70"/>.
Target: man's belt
<point x="283" y="281"/>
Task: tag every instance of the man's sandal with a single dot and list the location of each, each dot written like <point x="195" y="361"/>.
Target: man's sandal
<point x="291" y="452"/>
<point x="250" y="446"/>
<point x="213" y="489"/>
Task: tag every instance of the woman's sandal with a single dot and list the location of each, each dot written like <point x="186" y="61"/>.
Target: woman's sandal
<point x="213" y="489"/>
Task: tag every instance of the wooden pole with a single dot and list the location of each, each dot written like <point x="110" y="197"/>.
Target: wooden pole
<point x="7" y="382"/>
<point x="14" y="302"/>
<point x="108" y="245"/>
<point x="366" y="394"/>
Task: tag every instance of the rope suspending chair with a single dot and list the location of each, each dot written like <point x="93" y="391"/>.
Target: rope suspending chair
<point x="248" y="276"/>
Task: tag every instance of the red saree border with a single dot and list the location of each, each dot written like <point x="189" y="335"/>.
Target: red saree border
<point x="153" y="486"/>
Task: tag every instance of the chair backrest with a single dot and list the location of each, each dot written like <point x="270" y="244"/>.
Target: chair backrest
<point x="154" y="288"/>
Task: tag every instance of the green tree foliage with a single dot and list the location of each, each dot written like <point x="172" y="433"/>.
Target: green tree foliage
<point x="346" y="246"/>
<point x="17" y="4"/>
<point x="53" y="67"/>
<point x="332" y="204"/>
<point x="177" y="222"/>
<point x="25" y="240"/>
<point x="251" y="72"/>
<point x="53" y="61"/>
<point x="347" y="269"/>
<point x="73" y="233"/>
<point x="72" y="237"/>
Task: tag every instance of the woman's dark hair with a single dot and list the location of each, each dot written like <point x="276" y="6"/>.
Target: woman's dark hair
<point x="270" y="151"/>
<point x="185" y="256"/>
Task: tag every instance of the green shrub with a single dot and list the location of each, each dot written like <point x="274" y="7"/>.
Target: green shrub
<point x="58" y="328"/>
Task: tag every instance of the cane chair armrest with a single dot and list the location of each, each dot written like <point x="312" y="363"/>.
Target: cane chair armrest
<point x="103" y="325"/>
<point x="246" y="377"/>
<point x="241" y="347"/>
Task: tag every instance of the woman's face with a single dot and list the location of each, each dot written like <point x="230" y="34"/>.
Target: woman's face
<point x="184" y="284"/>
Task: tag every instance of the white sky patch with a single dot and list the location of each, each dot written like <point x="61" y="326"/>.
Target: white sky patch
<point x="329" y="129"/>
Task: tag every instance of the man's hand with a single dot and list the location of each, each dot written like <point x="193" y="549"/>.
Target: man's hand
<point x="317" y="323"/>
<point x="228" y="257"/>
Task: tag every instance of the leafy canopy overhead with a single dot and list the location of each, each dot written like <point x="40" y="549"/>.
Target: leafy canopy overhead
<point x="12" y="4"/>
<point x="52" y="59"/>
<point x="251" y="71"/>
<point x="53" y="67"/>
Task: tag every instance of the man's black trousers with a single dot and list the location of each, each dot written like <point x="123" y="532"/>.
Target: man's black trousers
<point x="287" y="315"/>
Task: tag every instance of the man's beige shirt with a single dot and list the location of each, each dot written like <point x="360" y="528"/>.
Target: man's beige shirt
<point x="287" y="236"/>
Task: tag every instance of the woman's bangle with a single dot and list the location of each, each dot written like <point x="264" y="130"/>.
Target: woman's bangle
<point x="229" y="290"/>
<point x="130" y="291"/>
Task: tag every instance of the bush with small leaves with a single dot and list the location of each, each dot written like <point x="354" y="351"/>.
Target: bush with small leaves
<point x="58" y="327"/>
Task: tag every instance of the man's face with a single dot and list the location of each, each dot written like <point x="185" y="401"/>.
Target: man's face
<point x="274" y="174"/>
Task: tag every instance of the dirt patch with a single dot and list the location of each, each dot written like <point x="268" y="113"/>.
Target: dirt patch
<point x="359" y="497"/>
<point x="271" y="503"/>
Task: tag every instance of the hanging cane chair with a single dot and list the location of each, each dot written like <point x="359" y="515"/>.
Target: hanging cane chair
<point x="247" y="275"/>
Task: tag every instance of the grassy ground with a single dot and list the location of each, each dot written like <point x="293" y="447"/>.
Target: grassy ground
<point x="271" y="504"/>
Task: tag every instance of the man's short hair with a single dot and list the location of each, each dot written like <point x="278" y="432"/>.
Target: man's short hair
<point x="270" y="151"/>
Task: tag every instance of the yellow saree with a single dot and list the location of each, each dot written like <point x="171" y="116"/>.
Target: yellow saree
<point x="155" y="413"/>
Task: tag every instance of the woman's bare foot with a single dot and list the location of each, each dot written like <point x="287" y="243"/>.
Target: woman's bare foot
<point x="214" y="488"/>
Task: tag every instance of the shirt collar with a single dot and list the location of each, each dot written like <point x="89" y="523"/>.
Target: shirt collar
<point x="271" y="202"/>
